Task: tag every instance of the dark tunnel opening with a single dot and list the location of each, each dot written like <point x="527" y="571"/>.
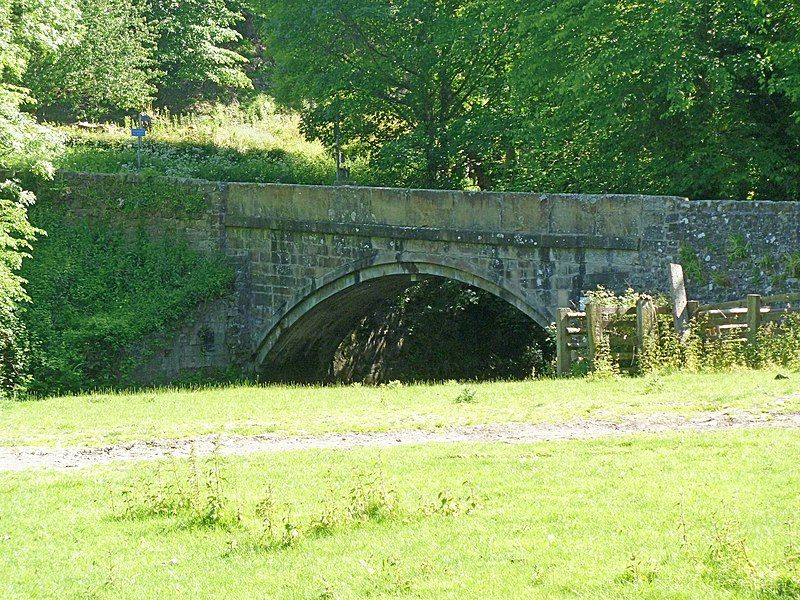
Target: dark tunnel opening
<point x="392" y="328"/>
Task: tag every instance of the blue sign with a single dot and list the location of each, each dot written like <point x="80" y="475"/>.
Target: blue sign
<point x="138" y="132"/>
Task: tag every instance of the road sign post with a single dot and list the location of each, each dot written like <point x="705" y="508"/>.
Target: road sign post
<point x="138" y="133"/>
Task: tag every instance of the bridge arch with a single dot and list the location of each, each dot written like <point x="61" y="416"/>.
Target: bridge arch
<point x="301" y="339"/>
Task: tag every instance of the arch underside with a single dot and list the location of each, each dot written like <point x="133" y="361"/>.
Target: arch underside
<point x="300" y="346"/>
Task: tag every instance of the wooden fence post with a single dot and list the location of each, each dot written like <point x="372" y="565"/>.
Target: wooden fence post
<point x="646" y="325"/>
<point x="692" y="308"/>
<point x="753" y="316"/>
<point x="563" y="352"/>
<point x="594" y="330"/>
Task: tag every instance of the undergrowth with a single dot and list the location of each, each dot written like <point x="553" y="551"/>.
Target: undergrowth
<point x="777" y="344"/>
<point x="219" y="143"/>
<point x="197" y="494"/>
<point x="726" y="562"/>
<point x="100" y="291"/>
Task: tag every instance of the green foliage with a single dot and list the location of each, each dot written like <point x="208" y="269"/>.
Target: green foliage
<point x="149" y="197"/>
<point x="692" y="266"/>
<point x="680" y="502"/>
<point x="679" y="97"/>
<point x="15" y="354"/>
<point x="26" y="29"/>
<point x="16" y="236"/>
<point x="738" y="248"/>
<point x="196" y="494"/>
<point x="420" y="86"/>
<point x="674" y="97"/>
<point x="466" y="396"/>
<point x="196" y="48"/>
<point x="777" y="345"/>
<point x="107" y="69"/>
<point x="792" y="261"/>
<point x="603" y="296"/>
<point x="254" y="144"/>
<point x="100" y="292"/>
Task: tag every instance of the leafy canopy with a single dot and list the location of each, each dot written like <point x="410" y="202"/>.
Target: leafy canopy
<point x="419" y="83"/>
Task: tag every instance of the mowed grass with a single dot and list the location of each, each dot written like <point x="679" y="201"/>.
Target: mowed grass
<point x="99" y="419"/>
<point x="701" y="515"/>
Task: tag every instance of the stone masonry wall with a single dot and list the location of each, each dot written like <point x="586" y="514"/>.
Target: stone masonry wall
<point x="291" y="243"/>
<point x="730" y="249"/>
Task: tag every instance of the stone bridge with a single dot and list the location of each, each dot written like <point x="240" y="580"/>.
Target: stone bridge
<point x="319" y="259"/>
<point x="314" y="260"/>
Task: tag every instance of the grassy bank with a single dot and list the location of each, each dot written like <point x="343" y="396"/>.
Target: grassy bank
<point x="98" y="419"/>
<point x="222" y="143"/>
<point x="689" y="516"/>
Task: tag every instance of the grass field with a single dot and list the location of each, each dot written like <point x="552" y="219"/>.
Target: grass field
<point x="713" y="515"/>
<point x="674" y="515"/>
<point x="220" y="143"/>
<point x="100" y="419"/>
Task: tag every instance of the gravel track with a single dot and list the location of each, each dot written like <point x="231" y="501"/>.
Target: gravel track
<point x="21" y="458"/>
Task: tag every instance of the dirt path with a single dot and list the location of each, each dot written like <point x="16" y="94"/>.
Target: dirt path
<point x="24" y="458"/>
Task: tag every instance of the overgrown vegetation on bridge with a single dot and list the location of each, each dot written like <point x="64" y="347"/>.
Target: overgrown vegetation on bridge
<point x="101" y="297"/>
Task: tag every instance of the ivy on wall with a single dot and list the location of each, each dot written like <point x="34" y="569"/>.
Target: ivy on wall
<point x="100" y="289"/>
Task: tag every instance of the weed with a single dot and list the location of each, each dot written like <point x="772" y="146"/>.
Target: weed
<point x="224" y="145"/>
<point x="727" y="560"/>
<point x="448" y="504"/>
<point x="738" y="248"/>
<point x="721" y="280"/>
<point x="793" y="265"/>
<point x="327" y="592"/>
<point x="605" y="297"/>
<point x="290" y="532"/>
<point x="767" y="262"/>
<point x="639" y="570"/>
<point x="197" y="496"/>
<point x="604" y="365"/>
<point x="727" y="563"/>
<point x="326" y="521"/>
<point x="692" y="266"/>
<point x="466" y="396"/>
<point x="371" y="499"/>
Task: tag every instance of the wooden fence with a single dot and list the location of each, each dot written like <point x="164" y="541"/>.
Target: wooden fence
<point x="740" y="320"/>
<point x="626" y="332"/>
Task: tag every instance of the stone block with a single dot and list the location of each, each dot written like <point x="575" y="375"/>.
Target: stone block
<point x="573" y="215"/>
<point x="619" y="215"/>
<point x="528" y="213"/>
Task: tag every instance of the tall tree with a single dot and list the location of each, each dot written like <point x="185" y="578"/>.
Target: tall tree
<point x="197" y="49"/>
<point x="108" y="68"/>
<point x="675" y="96"/>
<point x="26" y="28"/>
<point x="420" y="83"/>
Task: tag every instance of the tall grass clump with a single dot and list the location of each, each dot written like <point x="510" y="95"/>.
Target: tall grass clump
<point x="197" y="494"/>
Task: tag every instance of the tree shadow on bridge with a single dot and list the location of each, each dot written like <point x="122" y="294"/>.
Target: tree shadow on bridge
<point x="394" y="329"/>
